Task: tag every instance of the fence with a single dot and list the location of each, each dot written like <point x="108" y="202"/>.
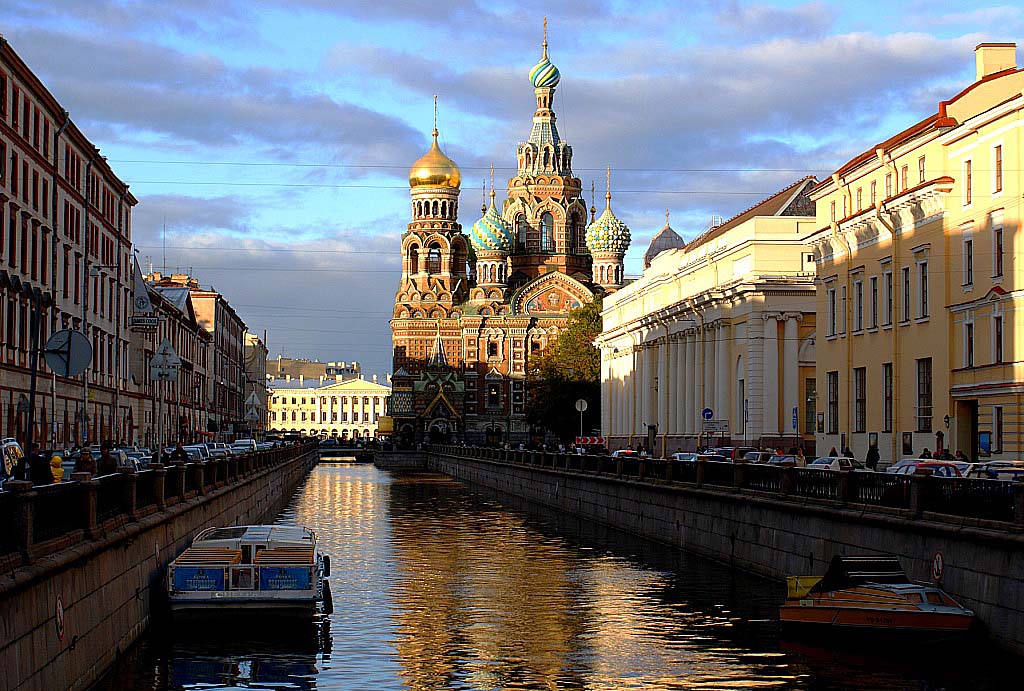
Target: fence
<point x="42" y="520"/>
<point x="949" y="499"/>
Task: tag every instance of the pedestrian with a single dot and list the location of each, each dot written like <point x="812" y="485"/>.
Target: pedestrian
<point x="39" y="468"/>
<point x="85" y="463"/>
<point x="107" y="464"/>
<point x="926" y="453"/>
<point x="833" y="453"/>
<point x="57" y="466"/>
<point x="847" y="452"/>
<point x="179" y="455"/>
<point x="871" y="461"/>
<point x="961" y="457"/>
<point x="801" y="460"/>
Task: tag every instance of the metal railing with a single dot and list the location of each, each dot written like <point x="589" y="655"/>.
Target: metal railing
<point x="909" y="495"/>
<point x="41" y="520"/>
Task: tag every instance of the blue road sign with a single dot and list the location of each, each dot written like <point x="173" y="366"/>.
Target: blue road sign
<point x="707" y="413"/>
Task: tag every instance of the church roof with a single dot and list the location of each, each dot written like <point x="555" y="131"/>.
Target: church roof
<point x="664" y="239"/>
<point x="437" y="355"/>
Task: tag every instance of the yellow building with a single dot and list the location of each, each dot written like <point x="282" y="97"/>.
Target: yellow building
<point x="347" y="409"/>
<point x="917" y="279"/>
<point x="724" y="324"/>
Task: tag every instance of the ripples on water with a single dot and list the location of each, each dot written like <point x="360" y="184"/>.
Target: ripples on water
<point x="438" y="587"/>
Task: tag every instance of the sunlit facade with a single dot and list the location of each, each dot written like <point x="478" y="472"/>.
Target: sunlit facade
<point x="345" y="410"/>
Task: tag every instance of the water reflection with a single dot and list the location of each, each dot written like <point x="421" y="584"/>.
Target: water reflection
<point x="439" y="587"/>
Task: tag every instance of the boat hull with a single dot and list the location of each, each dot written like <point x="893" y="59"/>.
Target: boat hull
<point x="853" y="618"/>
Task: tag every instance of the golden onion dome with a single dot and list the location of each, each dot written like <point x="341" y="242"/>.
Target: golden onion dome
<point x="434" y="169"/>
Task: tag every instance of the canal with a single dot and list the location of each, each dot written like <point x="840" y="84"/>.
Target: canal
<point x="439" y="587"/>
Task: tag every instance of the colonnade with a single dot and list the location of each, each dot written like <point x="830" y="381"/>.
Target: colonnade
<point x="667" y="377"/>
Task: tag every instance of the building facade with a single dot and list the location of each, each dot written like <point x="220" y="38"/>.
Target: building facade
<point x="65" y="229"/>
<point x="471" y="311"/>
<point x="281" y="367"/>
<point x="256" y="411"/>
<point x="725" y="324"/>
<point x="347" y="409"/>
<point x="918" y="280"/>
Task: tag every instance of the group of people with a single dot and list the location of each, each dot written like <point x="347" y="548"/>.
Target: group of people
<point x="42" y="469"/>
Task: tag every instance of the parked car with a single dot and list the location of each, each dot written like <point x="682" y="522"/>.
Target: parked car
<point x="244" y="445"/>
<point x="684" y="456"/>
<point x="216" y="450"/>
<point x="733" y="452"/>
<point x="894" y="467"/>
<point x="757" y="456"/>
<point x="197" y="452"/>
<point x="836" y="463"/>
<point x="784" y="461"/>
<point x="625" y="453"/>
<point x="713" y="458"/>
<point x="936" y="468"/>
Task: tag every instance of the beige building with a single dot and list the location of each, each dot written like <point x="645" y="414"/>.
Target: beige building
<point x="256" y="411"/>
<point x="918" y="281"/>
<point x="346" y="409"/>
<point x="725" y="323"/>
<point x="281" y="367"/>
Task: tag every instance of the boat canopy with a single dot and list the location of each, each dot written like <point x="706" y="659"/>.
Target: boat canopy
<point x="852" y="571"/>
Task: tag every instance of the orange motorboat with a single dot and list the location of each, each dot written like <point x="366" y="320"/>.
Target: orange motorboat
<point x="871" y="593"/>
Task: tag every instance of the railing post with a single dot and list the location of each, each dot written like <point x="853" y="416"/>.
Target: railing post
<point x="738" y="475"/>
<point x="198" y="476"/>
<point x="700" y="463"/>
<point x="844" y="486"/>
<point x="668" y="471"/>
<point x="129" y="492"/>
<point x="917" y="495"/>
<point x="23" y="516"/>
<point x="1018" y="501"/>
<point x="159" y="485"/>
<point x="788" y="484"/>
<point x="618" y="467"/>
<point x="641" y="470"/>
<point x="232" y="468"/>
<point x="90" y="503"/>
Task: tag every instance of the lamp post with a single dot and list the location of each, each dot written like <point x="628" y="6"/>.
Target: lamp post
<point x="39" y="300"/>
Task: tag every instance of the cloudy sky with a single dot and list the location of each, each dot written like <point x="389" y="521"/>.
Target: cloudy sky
<point x="272" y="139"/>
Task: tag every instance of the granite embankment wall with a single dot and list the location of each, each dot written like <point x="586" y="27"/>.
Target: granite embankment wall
<point x="85" y="573"/>
<point x="777" y="533"/>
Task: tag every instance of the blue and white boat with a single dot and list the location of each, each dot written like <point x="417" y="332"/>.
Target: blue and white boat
<point x="274" y="570"/>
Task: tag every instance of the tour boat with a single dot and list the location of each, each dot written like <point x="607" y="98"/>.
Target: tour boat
<point x="871" y="593"/>
<point x="258" y="569"/>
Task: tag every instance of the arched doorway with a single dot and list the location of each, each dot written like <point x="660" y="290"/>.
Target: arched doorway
<point x="494" y="435"/>
<point x="439" y="432"/>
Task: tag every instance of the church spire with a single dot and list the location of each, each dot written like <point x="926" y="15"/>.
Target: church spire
<point x="437" y="355"/>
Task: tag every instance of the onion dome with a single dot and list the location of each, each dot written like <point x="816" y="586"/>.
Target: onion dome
<point x="544" y="74"/>
<point x="665" y="239"/>
<point x="491" y="233"/>
<point x="608" y="234"/>
<point x="434" y="169"/>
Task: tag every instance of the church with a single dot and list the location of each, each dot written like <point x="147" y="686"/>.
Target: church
<point x="472" y="309"/>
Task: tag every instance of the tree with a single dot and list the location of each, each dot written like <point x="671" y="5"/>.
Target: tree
<point x="569" y="369"/>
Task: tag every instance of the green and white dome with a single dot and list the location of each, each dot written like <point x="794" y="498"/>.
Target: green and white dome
<point x="544" y="73"/>
<point x="491" y="233"/>
<point x="608" y="234"/>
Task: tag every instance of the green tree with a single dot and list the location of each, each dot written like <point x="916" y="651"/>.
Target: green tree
<point x="569" y="369"/>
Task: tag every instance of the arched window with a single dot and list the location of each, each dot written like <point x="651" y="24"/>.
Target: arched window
<point x="521" y="228"/>
<point x="547" y="159"/>
<point x="414" y="259"/>
<point x="434" y="209"/>
<point x="434" y="259"/>
<point x="547" y="232"/>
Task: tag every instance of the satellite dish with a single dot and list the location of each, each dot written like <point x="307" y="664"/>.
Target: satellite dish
<point x="68" y="353"/>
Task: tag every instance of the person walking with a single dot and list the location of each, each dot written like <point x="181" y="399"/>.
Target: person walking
<point x="57" y="467"/>
<point x="926" y="453"/>
<point x="179" y="455"/>
<point x="39" y="468"/>
<point x="871" y="461"/>
<point x="107" y="464"/>
<point x="85" y="463"/>
<point x="833" y="453"/>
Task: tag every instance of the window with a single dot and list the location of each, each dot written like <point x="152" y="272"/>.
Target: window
<point x="924" y="395"/>
<point x="906" y="293"/>
<point x="967" y="182"/>
<point x="969" y="344"/>
<point x="833" y="402"/>
<point x="920" y="169"/>
<point x="968" y="261"/>
<point x="997" y="338"/>
<point x="842" y="309"/>
<point x="547" y="232"/>
<point x="810" y="404"/>
<point x="887" y="397"/>
<point x="434" y="259"/>
<point x="903" y="179"/>
<point x="860" y="198"/>
<point x="922" y="287"/>
<point x="874" y="192"/>
<point x="858" y="306"/>
<point x="521" y="228"/>
<point x="493" y="395"/>
<point x="831" y="311"/>
<point x="860" y="399"/>
<point x="997" y="428"/>
<point x="874" y="301"/>
<point x="833" y="211"/>
<point x="889" y="297"/>
<point x="997" y="173"/>
<point x="997" y="250"/>
<point x="888" y="185"/>
<point x="492" y="349"/>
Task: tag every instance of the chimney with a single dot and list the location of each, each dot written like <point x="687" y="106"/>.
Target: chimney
<point x="990" y="58"/>
<point x="321" y="380"/>
<point x="375" y="379"/>
<point x="288" y="378"/>
<point x="300" y="379"/>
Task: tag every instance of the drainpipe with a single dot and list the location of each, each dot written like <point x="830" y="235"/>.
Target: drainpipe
<point x="880" y="210"/>
<point x="847" y="332"/>
<point x="85" y="284"/>
<point x="118" y="317"/>
<point x="53" y="257"/>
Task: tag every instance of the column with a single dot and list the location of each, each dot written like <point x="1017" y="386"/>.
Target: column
<point x="689" y="376"/>
<point x="698" y="378"/>
<point x="678" y="384"/>
<point x="663" y="384"/>
<point x="791" y="371"/>
<point x="708" y="398"/>
<point x="771" y="374"/>
<point x="606" y="396"/>
<point x="723" y="382"/>
<point x="319" y="411"/>
<point x="636" y="389"/>
<point x="650" y="414"/>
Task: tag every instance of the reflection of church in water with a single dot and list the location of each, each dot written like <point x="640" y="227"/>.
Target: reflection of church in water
<point x="472" y="310"/>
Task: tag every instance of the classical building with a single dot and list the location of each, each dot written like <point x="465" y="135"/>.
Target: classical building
<point x="918" y="281"/>
<point x="228" y="389"/>
<point x="724" y="324"/>
<point x="347" y="409"/>
<point x="256" y="384"/>
<point x="281" y="367"/>
<point x="65" y="230"/>
<point x="471" y="311"/>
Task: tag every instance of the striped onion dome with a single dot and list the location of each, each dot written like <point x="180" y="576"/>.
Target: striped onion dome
<point x="608" y="234"/>
<point x="544" y="74"/>
<point x="491" y="233"/>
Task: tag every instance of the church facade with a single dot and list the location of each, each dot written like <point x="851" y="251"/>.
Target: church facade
<point x="472" y="309"/>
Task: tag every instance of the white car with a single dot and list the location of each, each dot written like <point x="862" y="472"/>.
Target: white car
<point x="244" y="445"/>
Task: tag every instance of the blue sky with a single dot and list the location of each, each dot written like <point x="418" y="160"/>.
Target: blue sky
<point x="272" y="139"/>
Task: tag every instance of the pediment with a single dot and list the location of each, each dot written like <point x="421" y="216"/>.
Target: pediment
<point x="552" y="293"/>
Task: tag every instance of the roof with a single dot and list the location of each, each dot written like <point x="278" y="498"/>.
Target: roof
<point x="793" y="200"/>
<point x="178" y="297"/>
<point x="664" y="239"/>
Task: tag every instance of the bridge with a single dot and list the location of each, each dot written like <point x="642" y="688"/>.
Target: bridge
<point x="83" y="560"/>
<point x="967" y="535"/>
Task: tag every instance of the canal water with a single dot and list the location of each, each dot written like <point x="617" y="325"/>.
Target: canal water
<point x="437" y="586"/>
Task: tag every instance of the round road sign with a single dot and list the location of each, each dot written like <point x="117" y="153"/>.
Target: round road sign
<point x="58" y="617"/>
<point x="707" y="413"/>
<point x="938" y="566"/>
<point x="68" y="353"/>
<point x="581" y="405"/>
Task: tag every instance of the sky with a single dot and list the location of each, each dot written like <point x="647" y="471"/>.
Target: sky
<point x="268" y="143"/>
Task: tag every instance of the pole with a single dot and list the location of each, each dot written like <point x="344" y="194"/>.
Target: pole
<point x="53" y="405"/>
<point x="34" y="325"/>
<point x="160" y="421"/>
<point x="581" y="423"/>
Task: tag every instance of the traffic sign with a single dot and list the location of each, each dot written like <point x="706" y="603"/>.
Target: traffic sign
<point x="707" y="413"/>
<point x="68" y="353"/>
<point x="165" y="356"/>
<point x="144" y="321"/>
<point x="795" y="419"/>
<point x="715" y="427"/>
<point x="163" y="373"/>
<point x="253" y="399"/>
<point x="251" y="414"/>
<point x="581" y="405"/>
